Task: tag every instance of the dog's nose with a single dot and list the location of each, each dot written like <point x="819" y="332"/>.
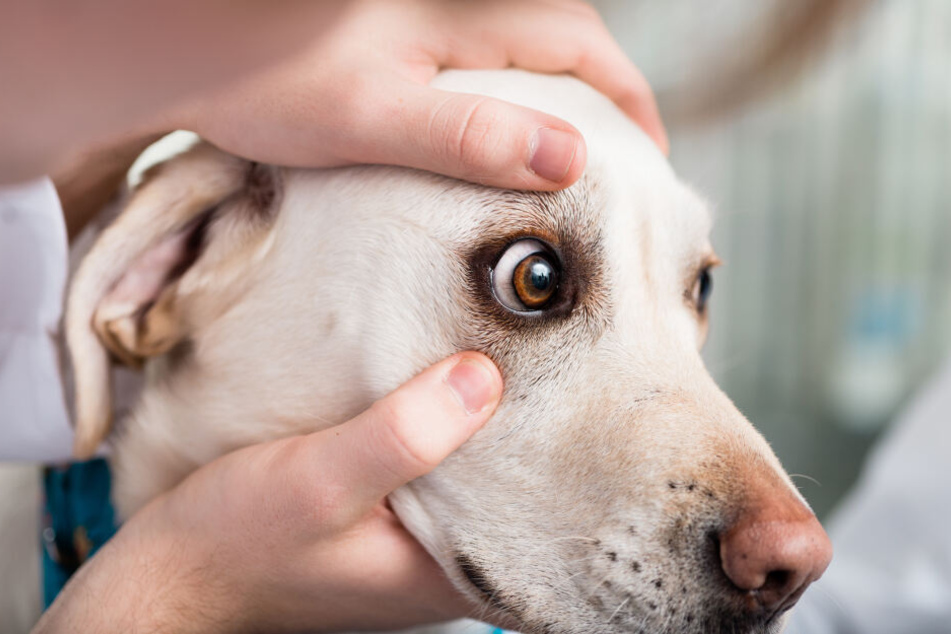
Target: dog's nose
<point x="773" y="551"/>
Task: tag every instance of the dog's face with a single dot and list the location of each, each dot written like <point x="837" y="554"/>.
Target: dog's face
<point x="616" y="489"/>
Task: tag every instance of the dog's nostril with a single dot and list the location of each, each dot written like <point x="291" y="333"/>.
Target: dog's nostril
<point x="773" y="560"/>
<point x="776" y="580"/>
<point x="779" y="589"/>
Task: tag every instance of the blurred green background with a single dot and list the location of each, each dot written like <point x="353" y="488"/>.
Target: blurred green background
<point x="832" y="184"/>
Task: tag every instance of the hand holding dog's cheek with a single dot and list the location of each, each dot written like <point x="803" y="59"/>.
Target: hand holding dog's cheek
<point x="294" y="534"/>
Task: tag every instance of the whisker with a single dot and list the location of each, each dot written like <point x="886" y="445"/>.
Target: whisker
<point x="805" y="477"/>
<point x="831" y="598"/>
<point x="598" y="586"/>
<point x="581" y="559"/>
<point x="615" y="613"/>
<point x="575" y="537"/>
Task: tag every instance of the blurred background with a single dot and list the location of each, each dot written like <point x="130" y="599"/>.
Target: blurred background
<point x="821" y="132"/>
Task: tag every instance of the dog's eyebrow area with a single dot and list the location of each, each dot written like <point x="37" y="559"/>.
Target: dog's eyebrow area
<point x="687" y="232"/>
<point x="568" y="227"/>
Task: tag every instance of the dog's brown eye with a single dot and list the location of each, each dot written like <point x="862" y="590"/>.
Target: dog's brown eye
<point x="702" y="289"/>
<point x="534" y="281"/>
<point x="525" y="278"/>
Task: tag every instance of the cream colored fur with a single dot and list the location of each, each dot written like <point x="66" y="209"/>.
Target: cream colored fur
<point x="588" y="501"/>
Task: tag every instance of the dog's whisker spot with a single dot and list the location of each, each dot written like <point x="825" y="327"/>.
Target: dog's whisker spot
<point x="618" y="609"/>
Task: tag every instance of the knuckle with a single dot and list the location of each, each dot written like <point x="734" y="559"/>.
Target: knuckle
<point x="466" y="132"/>
<point x="307" y="498"/>
<point x="399" y="438"/>
<point x="327" y="506"/>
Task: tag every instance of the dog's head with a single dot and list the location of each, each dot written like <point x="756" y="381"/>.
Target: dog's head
<point x="616" y="489"/>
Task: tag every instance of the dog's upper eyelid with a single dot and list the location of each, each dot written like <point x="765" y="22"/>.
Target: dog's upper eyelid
<point x="709" y="260"/>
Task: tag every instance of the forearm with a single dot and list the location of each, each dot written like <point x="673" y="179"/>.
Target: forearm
<point x="74" y="74"/>
<point x="141" y="581"/>
<point x="91" y="178"/>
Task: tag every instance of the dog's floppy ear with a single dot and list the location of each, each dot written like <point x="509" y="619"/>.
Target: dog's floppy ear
<point x="176" y="257"/>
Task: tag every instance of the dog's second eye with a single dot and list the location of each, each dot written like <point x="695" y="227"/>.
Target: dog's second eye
<point x="526" y="276"/>
<point x="702" y="289"/>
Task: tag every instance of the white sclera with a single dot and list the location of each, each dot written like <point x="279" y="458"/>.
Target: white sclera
<point x="504" y="272"/>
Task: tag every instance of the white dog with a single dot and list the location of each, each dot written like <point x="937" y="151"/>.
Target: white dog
<point x="616" y="489"/>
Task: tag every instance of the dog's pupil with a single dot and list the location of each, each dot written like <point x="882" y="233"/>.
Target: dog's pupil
<point x="541" y="275"/>
<point x="535" y="281"/>
<point x="705" y="284"/>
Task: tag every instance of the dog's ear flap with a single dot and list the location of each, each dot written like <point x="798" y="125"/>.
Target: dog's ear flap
<point x="173" y="260"/>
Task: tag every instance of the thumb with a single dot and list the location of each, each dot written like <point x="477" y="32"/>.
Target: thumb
<point x="410" y="431"/>
<point x="475" y="138"/>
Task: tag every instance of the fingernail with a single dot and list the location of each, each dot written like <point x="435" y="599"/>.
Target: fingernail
<point x="553" y="151"/>
<point x="473" y="385"/>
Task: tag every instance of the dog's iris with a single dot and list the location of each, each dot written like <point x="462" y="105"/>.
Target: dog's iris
<point x="526" y="276"/>
<point x="702" y="289"/>
<point x="534" y="281"/>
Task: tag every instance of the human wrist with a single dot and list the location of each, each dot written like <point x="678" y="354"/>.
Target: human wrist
<point x="181" y="576"/>
<point x="147" y="578"/>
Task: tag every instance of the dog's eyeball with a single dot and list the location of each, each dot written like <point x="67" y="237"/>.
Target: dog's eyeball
<point x="526" y="276"/>
<point x="534" y="281"/>
<point x="702" y="289"/>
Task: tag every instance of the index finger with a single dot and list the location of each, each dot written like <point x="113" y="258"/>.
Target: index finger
<point x="573" y="41"/>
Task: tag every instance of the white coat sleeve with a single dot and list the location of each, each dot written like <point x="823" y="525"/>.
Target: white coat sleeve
<point x="891" y="572"/>
<point x="34" y="425"/>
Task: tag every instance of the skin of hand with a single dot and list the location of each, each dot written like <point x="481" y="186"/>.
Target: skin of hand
<point x="292" y="535"/>
<point x="354" y="93"/>
<point x="78" y="74"/>
<point x="359" y="94"/>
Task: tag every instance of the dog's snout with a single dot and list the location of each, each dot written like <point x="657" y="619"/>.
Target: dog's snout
<point x="773" y="551"/>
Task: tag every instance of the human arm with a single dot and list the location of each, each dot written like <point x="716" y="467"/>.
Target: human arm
<point x="360" y="95"/>
<point x="291" y="535"/>
<point x="355" y="94"/>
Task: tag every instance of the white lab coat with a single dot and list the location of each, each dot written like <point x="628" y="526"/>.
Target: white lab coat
<point x="34" y="425"/>
<point x="891" y="573"/>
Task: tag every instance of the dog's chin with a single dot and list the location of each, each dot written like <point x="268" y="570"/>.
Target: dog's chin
<point x="557" y="625"/>
<point x="496" y="611"/>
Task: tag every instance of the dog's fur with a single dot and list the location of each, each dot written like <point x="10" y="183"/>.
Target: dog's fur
<point x="265" y="302"/>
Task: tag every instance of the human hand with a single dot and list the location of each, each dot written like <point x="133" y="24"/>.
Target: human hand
<point x="292" y="535"/>
<point x="105" y="68"/>
<point x="360" y="95"/>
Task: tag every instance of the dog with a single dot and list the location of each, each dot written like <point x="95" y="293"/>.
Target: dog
<point x="616" y="489"/>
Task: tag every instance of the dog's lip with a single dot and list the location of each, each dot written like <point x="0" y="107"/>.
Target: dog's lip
<point x="476" y="579"/>
<point x="480" y="590"/>
<point x="504" y="618"/>
<point x="500" y="617"/>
